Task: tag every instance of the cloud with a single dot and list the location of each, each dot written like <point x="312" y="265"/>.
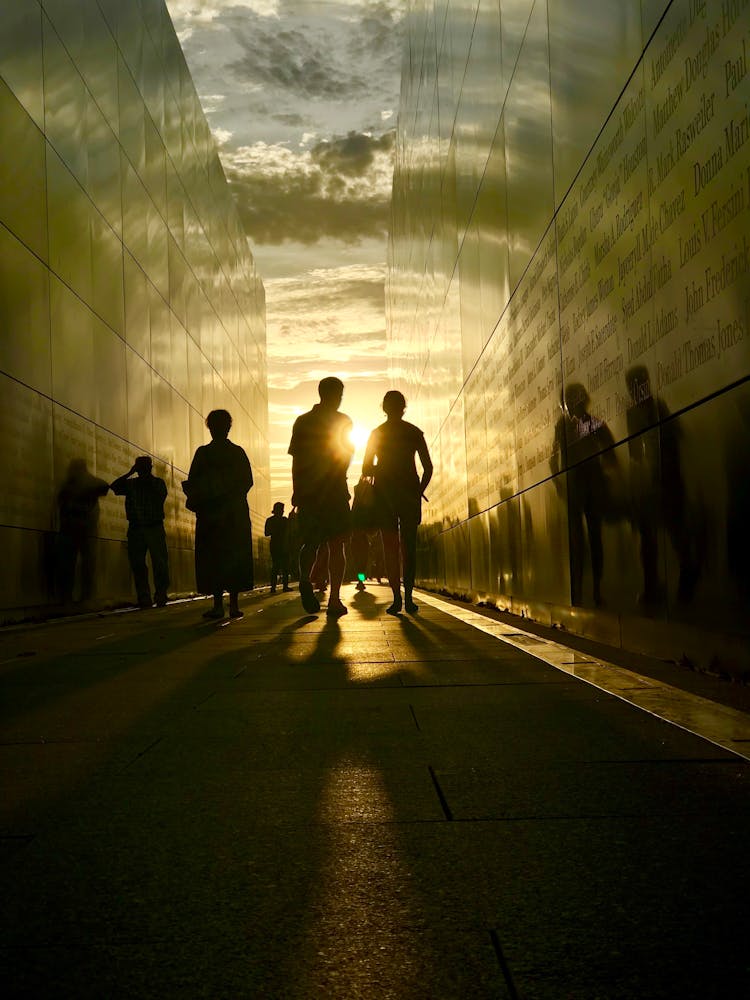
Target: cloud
<point x="352" y="155"/>
<point x="339" y="188"/>
<point x="331" y="315"/>
<point x="292" y="65"/>
<point x="321" y="51"/>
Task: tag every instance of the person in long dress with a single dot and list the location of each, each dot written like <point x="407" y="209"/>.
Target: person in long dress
<point x="216" y="489"/>
<point x="390" y="460"/>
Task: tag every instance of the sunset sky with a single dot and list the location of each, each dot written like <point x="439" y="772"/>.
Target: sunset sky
<point x="302" y="97"/>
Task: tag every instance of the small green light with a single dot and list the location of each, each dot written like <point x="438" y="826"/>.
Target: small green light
<point x="361" y="577"/>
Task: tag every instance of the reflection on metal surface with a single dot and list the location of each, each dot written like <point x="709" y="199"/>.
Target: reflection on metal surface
<point x="588" y="240"/>
<point x="120" y="326"/>
<point x="716" y="723"/>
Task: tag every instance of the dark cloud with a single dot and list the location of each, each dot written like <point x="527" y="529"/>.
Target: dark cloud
<point x="291" y="59"/>
<point x="323" y="52"/>
<point x="294" y="120"/>
<point x="352" y="154"/>
<point x="339" y="189"/>
<point x="276" y="211"/>
<point x="379" y="32"/>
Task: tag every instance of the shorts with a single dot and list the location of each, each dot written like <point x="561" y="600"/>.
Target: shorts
<point x="317" y="524"/>
<point x="398" y="508"/>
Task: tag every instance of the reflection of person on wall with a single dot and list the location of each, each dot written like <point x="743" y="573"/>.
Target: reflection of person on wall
<point x="737" y="463"/>
<point x="277" y="529"/>
<point x="389" y="458"/>
<point x="321" y="451"/>
<point x="587" y="443"/>
<point x="78" y="509"/>
<point x="144" y="509"/>
<point x="216" y="489"/>
<point x="657" y="484"/>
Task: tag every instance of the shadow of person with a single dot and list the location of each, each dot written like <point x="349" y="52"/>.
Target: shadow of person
<point x="365" y="605"/>
<point x="78" y="521"/>
<point x="657" y="486"/>
<point x="583" y="444"/>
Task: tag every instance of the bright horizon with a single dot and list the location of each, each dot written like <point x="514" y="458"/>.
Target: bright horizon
<point x="302" y="99"/>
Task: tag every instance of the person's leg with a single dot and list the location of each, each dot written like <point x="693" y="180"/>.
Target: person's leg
<point x="320" y="569"/>
<point x="408" y="532"/>
<point x="596" y="548"/>
<point x="88" y="565"/>
<point x="336" y="567"/>
<point x="137" y="548"/>
<point x="274" y="574"/>
<point x="217" y="611"/>
<point x="310" y="602"/>
<point x="157" y="545"/>
<point x="65" y="556"/>
<point x="392" y="566"/>
<point x="576" y="549"/>
<point x="234" y="607"/>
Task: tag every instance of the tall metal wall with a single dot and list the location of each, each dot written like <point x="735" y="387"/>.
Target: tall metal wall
<point x="568" y="306"/>
<point x="129" y="301"/>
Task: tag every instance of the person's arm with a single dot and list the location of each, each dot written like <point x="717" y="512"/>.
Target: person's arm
<point x="119" y="488"/>
<point x="191" y="486"/>
<point x="245" y="472"/>
<point x="427" y="467"/>
<point x="292" y="450"/>
<point x="267" y="530"/>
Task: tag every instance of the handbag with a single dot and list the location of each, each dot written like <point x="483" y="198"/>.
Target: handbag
<point x="365" y="506"/>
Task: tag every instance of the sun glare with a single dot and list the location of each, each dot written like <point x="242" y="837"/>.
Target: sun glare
<point x="358" y="436"/>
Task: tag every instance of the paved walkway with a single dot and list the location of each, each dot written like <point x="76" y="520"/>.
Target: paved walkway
<point x="376" y="808"/>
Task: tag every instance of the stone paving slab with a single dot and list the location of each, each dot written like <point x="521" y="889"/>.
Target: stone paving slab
<point x="378" y="808"/>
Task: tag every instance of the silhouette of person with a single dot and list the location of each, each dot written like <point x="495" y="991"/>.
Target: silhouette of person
<point x="657" y="485"/>
<point x="585" y="440"/>
<point x="78" y="511"/>
<point x="389" y="458"/>
<point x="218" y="482"/>
<point x="277" y="529"/>
<point x="144" y="509"/>
<point x="365" y="519"/>
<point x="321" y="451"/>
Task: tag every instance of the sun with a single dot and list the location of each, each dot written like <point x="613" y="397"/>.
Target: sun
<point x="358" y="436"/>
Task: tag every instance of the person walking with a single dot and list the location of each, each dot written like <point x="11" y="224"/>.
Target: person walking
<point x="277" y="529"/>
<point x="144" y="508"/>
<point x="390" y="460"/>
<point x="218" y="482"/>
<point x="321" y="451"/>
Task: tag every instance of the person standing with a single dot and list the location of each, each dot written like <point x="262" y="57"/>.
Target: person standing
<point x="218" y="482"/>
<point x="277" y="529"/>
<point x="390" y="460"/>
<point x="144" y="509"/>
<point x="321" y="451"/>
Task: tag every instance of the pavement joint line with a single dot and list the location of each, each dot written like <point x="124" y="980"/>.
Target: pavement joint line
<point x="503" y="963"/>
<point x="447" y="811"/>
<point x="414" y="716"/>
<point x="718" y="724"/>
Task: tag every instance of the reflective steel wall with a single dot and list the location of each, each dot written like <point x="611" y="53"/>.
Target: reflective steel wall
<point x="568" y="302"/>
<point x="129" y="301"/>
